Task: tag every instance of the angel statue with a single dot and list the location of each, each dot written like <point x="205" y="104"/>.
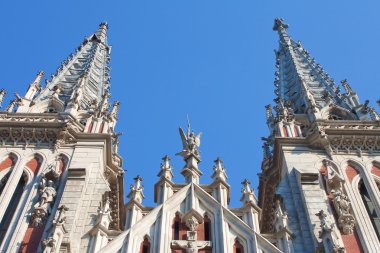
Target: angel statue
<point x="190" y="142"/>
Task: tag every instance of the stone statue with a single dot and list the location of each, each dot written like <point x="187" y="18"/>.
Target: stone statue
<point x="190" y="143"/>
<point x="47" y="193"/>
<point x="341" y="202"/>
<point x="191" y="246"/>
<point x="48" y="245"/>
<point x="192" y="224"/>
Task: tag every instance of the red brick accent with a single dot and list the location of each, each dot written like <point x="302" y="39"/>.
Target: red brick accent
<point x="205" y="251"/>
<point x="352" y="243"/>
<point x="351" y="172"/>
<point x="182" y="228"/>
<point x="32" y="235"/>
<point x="90" y="127"/>
<point x="101" y="127"/>
<point x="285" y="132"/>
<point x="34" y="165"/>
<point x="8" y="162"/>
<point x="296" y="134"/>
<point x="178" y="251"/>
<point x="375" y="170"/>
<point x="31" y="239"/>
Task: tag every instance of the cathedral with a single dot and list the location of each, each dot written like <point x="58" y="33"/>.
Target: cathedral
<point x="62" y="182"/>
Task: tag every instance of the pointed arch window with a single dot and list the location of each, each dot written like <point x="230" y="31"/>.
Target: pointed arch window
<point x="145" y="246"/>
<point x="12" y="207"/>
<point x="178" y="229"/>
<point x="238" y="247"/>
<point x="370" y="207"/>
<point x="207" y="228"/>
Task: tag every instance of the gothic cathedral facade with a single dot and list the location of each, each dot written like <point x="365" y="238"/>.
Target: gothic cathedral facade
<point x="61" y="176"/>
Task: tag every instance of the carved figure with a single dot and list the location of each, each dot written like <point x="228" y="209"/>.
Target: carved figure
<point x="48" y="245"/>
<point x="47" y="194"/>
<point x="191" y="246"/>
<point x="190" y="143"/>
<point x="341" y="202"/>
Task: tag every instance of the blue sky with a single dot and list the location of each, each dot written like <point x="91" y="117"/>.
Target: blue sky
<point x="210" y="59"/>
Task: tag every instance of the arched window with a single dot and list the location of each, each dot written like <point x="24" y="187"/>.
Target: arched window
<point x="370" y="207"/>
<point x="6" y="164"/>
<point x="12" y="207"/>
<point x="207" y="228"/>
<point x="204" y="229"/>
<point x="238" y="247"/>
<point x="178" y="229"/>
<point x="145" y="246"/>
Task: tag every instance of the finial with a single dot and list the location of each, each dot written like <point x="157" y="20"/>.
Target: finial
<point x="219" y="170"/>
<point x="279" y="24"/>
<point x="166" y="165"/>
<point x="138" y="179"/>
<point x="246" y="183"/>
<point x="103" y="25"/>
<point x="218" y="161"/>
<point x="2" y="94"/>
<point x="248" y="193"/>
<point x="346" y="86"/>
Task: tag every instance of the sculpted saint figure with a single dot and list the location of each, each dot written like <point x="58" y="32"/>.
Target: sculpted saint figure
<point x="47" y="194"/>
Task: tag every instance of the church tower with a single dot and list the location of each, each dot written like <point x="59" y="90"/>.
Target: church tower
<point x="320" y="179"/>
<point x="61" y="181"/>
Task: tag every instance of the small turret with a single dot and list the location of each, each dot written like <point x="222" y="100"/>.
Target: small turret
<point x="136" y="193"/>
<point x="34" y="87"/>
<point x="248" y="193"/>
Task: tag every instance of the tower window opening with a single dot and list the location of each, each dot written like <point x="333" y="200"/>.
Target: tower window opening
<point x="176" y="230"/>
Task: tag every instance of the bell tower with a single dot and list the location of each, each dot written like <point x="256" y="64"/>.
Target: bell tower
<point x="61" y="181"/>
<point x="321" y="159"/>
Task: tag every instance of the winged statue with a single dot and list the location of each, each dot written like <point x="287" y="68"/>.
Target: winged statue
<point x="190" y="143"/>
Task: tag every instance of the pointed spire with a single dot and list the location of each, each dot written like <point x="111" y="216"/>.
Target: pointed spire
<point x="302" y="82"/>
<point x="136" y="193"/>
<point x="219" y="171"/>
<point x="115" y="109"/>
<point x="248" y="193"/>
<point x="166" y="169"/>
<point x="83" y="78"/>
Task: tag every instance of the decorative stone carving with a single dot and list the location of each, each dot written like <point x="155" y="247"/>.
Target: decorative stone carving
<point x="342" y="204"/>
<point x="191" y="246"/>
<point x="42" y="208"/>
<point x="190" y="143"/>
<point x="47" y="193"/>
<point x="60" y="217"/>
<point x="326" y="225"/>
<point x="48" y="245"/>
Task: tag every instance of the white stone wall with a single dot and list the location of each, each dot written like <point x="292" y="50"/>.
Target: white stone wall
<point x="303" y="201"/>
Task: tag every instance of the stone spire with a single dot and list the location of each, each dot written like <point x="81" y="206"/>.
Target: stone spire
<point x="303" y="84"/>
<point x="80" y="82"/>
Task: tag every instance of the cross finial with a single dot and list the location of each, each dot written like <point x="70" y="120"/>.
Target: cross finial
<point x="279" y="24"/>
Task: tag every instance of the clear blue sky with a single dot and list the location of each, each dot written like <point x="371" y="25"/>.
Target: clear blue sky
<point x="210" y="59"/>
